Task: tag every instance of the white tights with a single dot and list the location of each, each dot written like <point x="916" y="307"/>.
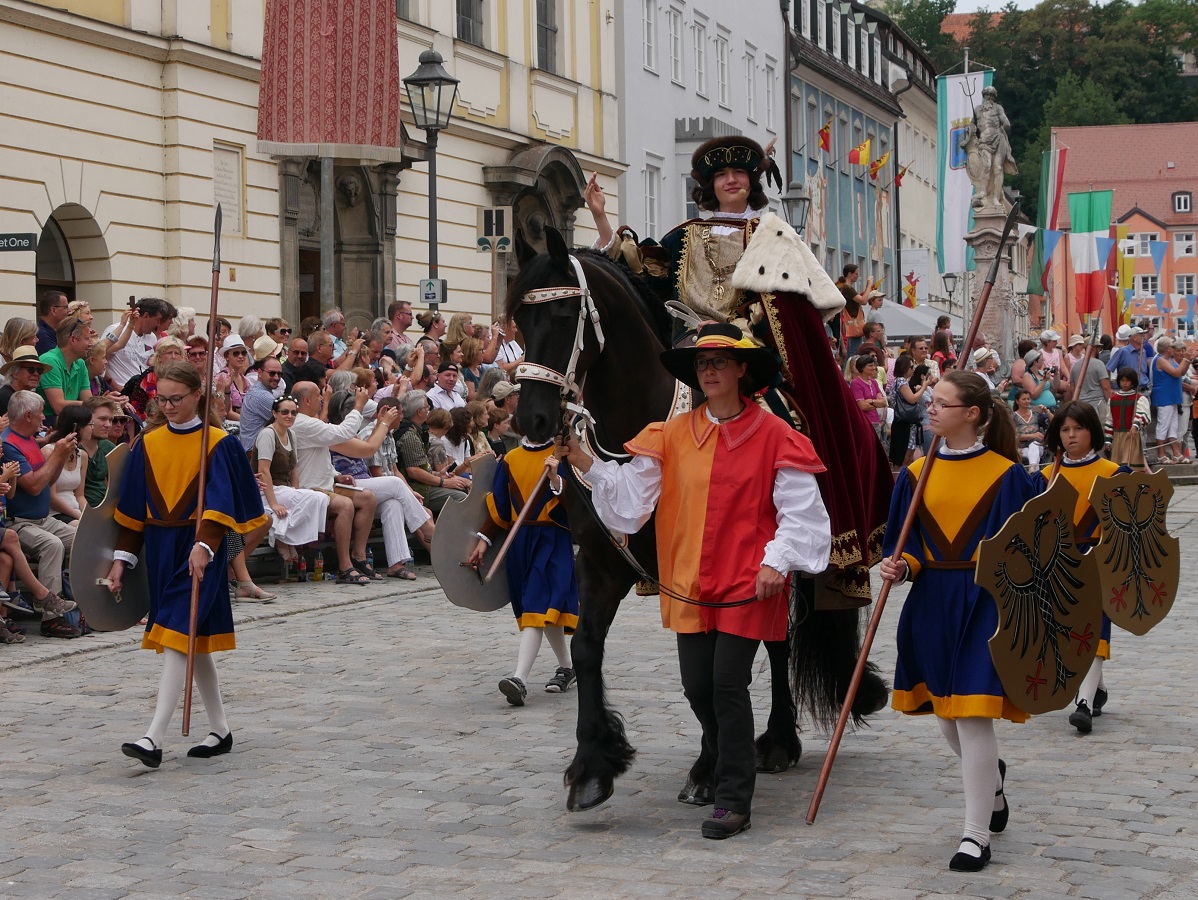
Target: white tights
<point x="974" y="742"/>
<point x="530" y="645"/>
<point x="170" y="688"/>
<point x="1090" y="684"/>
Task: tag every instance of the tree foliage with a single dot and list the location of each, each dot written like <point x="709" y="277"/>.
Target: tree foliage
<point x="1071" y="62"/>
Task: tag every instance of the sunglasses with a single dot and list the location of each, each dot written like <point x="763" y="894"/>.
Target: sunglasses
<point x="197" y="354"/>
<point x="235" y="353"/>
<point x="284" y="331"/>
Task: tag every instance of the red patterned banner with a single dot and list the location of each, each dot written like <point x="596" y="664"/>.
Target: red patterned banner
<point x="330" y="80"/>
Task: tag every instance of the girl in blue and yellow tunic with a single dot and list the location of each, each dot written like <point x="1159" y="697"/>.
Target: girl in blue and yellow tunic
<point x="156" y="512"/>
<point x="540" y="564"/>
<point x="1077" y="434"/>
<point x="944" y="664"/>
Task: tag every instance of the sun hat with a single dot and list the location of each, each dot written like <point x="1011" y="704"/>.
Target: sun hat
<point x="233" y="340"/>
<point x="1123" y="332"/>
<point x="1076" y="339"/>
<point x="762" y="367"/>
<point x="1049" y="335"/>
<point x="1031" y="356"/>
<point x="266" y="347"/>
<point x="23" y="356"/>
<point x="981" y="354"/>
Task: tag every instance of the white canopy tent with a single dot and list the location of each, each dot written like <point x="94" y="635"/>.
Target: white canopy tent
<point x="900" y="321"/>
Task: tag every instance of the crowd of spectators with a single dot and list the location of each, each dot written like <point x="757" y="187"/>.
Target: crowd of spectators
<point x="345" y="427"/>
<point x="1142" y="390"/>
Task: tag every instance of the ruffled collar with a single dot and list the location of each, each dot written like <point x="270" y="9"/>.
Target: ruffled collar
<point x="949" y="452"/>
<point x="1084" y="461"/>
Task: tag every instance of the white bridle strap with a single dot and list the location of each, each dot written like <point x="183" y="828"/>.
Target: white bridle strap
<point x="568" y="383"/>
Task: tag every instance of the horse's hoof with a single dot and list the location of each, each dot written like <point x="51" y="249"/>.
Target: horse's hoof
<point x="589" y="794"/>
<point x="696" y="794"/>
<point x="775" y="761"/>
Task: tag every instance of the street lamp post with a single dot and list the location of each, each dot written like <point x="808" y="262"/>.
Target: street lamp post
<point x="950" y="285"/>
<point x="432" y="93"/>
<point x="795" y="206"/>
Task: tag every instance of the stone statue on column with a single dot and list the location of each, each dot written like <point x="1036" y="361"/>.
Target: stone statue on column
<point x="988" y="155"/>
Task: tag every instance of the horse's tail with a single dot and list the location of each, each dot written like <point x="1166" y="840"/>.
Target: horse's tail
<point x="824" y="645"/>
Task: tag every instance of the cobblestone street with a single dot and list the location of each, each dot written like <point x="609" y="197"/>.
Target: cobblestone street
<point x="374" y="757"/>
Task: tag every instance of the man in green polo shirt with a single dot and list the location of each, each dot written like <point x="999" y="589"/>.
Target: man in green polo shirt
<point x="66" y="383"/>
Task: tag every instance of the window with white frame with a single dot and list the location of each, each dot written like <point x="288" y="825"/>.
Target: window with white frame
<point x="878" y="60"/>
<point x="1143" y="243"/>
<point x="805" y="17"/>
<point x="470" y="21"/>
<point x="835" y="10"/>
<point x="653" y="165"/>
<point x="547" y="35"/>
<point x="1183" y="202"/>
<point x="700" y="34"/>
<point x="1183" y="284"/>
<point x="821" y="23"/>
<point x="692" y="208"/>
<point x="850" y="43"/>
<point x="1147" y="285"/>
<point x="1183" y="329"/>
<point x="403" y="9"/>
<point x="863" y="36"/>
<point x="811" y="141"/>
<point x="674" y="20"/>
<point x="751" y="83"/>
<point x="1183" y="244"/>
<point x="649" y="34"/>
<point x="770" y="75"/>
<point x="723" y="87"/>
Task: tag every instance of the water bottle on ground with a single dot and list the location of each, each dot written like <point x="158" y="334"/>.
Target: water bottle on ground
<point x="318" y="569"/>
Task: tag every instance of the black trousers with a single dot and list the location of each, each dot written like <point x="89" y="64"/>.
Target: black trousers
<point x="716" y="670"/>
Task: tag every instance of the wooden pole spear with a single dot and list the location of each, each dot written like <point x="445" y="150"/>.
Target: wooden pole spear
<point x="206" y="374"/>
<point x="904" y="532"/>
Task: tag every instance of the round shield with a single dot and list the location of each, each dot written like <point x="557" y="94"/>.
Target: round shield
<point x="454" y="540"/>
<point x="91" y="559"/>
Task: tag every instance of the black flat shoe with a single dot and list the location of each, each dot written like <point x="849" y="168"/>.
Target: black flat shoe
<point x="998" y="818"/>
<point x="1082" y="719"/>
<point x="203" y="751"/>
<point x="963" y="862"/>
<point x="151" y="758"/>
<point x="1100" y="698"/>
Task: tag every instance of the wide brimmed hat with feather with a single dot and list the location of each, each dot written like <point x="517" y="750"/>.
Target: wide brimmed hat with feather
<point x="762" y="366"/>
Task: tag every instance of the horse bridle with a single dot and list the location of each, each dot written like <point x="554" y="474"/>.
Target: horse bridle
<point x="573" y="409"/>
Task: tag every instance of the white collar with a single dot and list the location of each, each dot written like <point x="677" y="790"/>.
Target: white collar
<point x="949" y="451"/>
<point x="1088" y="458"/>
<point x="186" y="426"/>
<point x="748" y="214"/>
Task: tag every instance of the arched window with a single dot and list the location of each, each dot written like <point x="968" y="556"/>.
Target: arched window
<point x="55" y="267"/>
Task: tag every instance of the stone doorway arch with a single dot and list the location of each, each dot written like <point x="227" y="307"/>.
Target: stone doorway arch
<point x="73" y="257"/>
<point x="543" y="183"/>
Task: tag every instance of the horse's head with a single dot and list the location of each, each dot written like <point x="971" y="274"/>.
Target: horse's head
<point x="550" y="329"/>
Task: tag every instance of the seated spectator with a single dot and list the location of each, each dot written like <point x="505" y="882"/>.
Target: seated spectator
<point x="437" y="426"/>
<point x="258" y="407"/>
<point x="52" y="308"/>
<point x="458" y="441"/>
<point x="235" y="379"/>
<point x="24" y="372"/>
<point x="66" y="492"/>
<point x="297" y="355"/>
<point x="508" y="352"/>
<point x="492" y="377"/>
<point x="445" y="395"/>
<point x="97" y="444"/>
<point x="66" y="383"/>
<point x="498" y="424"/>
<point x="17" y="333"/>
<point x="400" y="510"/>
<point x="472" y="366"/>
<point x="1038" y="380"/>
<point x="183" y="325"/>
<point x="312" y="438"/>
<point x="478" y="428"/>
<point x="308" y="324"/>
<point x="413" y="445"/>
<point x="1031" y="426"/>
<point x="41" y="535"/>
<point x="249" y="329"/>
<point x="167" y="350"/>
<point x="298" y="514"/>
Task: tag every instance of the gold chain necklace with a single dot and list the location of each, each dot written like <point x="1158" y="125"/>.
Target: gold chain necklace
<point x="719" y="274"/>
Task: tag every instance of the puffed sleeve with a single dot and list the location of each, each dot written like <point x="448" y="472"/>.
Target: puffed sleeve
<point x="625" y="495"/>
<point x="803" y="541"/>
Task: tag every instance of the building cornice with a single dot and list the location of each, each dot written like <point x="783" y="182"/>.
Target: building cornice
<point x="807" y="53"/>
<point x="165" y="51"/>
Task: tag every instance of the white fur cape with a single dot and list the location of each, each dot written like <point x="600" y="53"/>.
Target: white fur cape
<point x="778" y="261"/>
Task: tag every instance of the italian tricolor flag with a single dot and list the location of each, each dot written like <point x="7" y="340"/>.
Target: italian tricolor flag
<point x="1089" y="219"/>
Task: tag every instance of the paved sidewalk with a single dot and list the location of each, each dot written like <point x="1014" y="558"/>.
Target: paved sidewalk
<point x="374" y="757"/>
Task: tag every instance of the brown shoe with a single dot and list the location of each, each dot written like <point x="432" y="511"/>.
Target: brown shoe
<point x="7" y="636"/>
<point x="724" y="823"/>
<point x="59" y="628"/>
<point x="53" y="605"/>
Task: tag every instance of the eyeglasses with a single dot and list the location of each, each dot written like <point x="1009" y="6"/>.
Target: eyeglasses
<point x="272" y="374"/>
<point x="287" y="412"/>
<point x="284" y="331"/>
<point x="940" y="404"/>
<point x="235" y="353"/>
<point x="171" y="401"/>
<point x="719" y="363"/>
<point x="196" y="354"/>
<point x="36" y="370"/>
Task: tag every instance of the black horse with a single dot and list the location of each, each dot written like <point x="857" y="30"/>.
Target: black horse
<point x="626" y="388"/>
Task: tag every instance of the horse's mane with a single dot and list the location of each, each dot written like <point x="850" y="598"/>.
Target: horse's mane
<point x="536" y="272"/>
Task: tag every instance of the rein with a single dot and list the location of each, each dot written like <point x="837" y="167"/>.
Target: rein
<point x="573" y="410"/>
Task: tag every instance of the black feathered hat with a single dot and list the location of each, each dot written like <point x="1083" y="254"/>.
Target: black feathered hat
<point x="732" y="152"/>
<point x="762" y="366"/>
